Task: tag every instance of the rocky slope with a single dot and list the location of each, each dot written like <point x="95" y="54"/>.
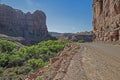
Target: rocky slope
<point x="31" y="26"/>
<point x="17" y="40"/>
<point x="106" y="20"/>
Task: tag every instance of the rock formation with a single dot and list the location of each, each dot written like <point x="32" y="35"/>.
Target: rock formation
<point x="14" y="22"/>
<point x="86" y="36"/>
<point x="106" y="20"/>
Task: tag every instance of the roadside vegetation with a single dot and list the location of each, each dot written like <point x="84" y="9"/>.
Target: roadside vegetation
<point x="16" y="61"/>
<point x="81" y="41"/>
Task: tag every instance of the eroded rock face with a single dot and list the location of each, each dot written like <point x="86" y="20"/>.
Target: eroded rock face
<point x="31" y="26"/>
<point x="106" y="20"/>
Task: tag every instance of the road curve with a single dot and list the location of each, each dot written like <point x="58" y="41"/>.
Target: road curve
<point x="95" y="61"/>
<point x="86" y="61"/>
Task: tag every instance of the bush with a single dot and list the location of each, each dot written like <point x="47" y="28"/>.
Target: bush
<point x="4" y="59"/>
<point x="38" y="78"/>
<point x="22" y="70"/>
<point x="7" y="46"/>
<point x="1" y="70"/>
<point x="15" y="60"/>
<point x="81" y="41"/>
<point x="35" y="63"/>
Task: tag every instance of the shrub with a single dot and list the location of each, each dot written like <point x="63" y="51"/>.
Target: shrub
<point x="15" y="60"/>
<point x="1" y="70"/>
<point x="4" y="59"/>
<point x="81" y="41"/>
<point x="7" y="46"/>
<point x="35" y="63"/>
<point x="22" y="70"/>
<point x="38" y="78"/>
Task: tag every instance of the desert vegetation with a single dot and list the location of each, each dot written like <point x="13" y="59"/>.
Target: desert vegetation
<point x="17" y="61"/>
<point x="81" y="41"/>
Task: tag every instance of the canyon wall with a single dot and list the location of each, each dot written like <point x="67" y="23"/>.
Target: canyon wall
<point x="106" y="20"/>
<point x="14" y="22"/>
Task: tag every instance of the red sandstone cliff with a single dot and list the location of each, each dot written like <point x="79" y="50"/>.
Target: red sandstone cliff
<point x="31" y="26"/>
<point x="106" y="20"/>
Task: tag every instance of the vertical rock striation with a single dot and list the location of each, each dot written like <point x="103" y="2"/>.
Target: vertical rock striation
<point x="106" y="20"/>
<point x="31" y="26"/>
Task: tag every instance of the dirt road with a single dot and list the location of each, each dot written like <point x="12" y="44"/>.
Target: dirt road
<point x="101" y="61"/>
<point x="95" y="61"/>
<point x="87" y="61"/>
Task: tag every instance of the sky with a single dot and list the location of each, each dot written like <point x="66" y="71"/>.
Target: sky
<point x="67" y="16"/>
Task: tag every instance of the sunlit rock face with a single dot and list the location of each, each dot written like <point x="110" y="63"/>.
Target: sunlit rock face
<point x="106" y="20"/>
<point x="31" y="26"/>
